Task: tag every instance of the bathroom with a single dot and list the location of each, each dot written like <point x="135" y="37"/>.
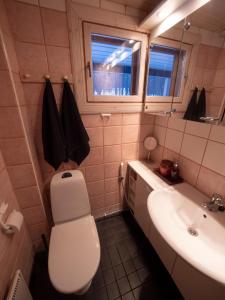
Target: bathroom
<point x="148" y="79"/>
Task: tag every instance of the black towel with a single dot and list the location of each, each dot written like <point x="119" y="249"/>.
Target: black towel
<point x="52" y="134"/>
<point x="191" y="111"/>
<point x="76" y="136"/>
<point x="201" y="106"/>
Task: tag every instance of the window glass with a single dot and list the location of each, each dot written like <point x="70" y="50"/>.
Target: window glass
<point x="115" y="65"/>
<point x="166" y="71"/>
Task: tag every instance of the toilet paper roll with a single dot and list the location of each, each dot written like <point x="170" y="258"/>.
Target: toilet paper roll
<point x="14" y="221"/>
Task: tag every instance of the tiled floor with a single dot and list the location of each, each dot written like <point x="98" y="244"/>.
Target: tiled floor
<point x="129" y="268"/>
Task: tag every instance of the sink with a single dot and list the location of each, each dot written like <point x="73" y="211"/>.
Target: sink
<point x="195" y="234"/>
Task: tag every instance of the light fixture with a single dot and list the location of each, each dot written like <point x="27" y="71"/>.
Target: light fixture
<point x="168" y="14"/>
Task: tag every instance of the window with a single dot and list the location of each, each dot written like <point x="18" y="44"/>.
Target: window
<point x="166" y="71"/>
<point x="113" y="64"/>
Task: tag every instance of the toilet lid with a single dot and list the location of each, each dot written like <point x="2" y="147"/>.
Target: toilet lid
<point x="74" y="254"/>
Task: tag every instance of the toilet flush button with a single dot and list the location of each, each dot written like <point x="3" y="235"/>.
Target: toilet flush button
<point x="66" y="174"/>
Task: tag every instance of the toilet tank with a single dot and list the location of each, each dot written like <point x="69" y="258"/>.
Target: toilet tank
<point x="69" y="196"/>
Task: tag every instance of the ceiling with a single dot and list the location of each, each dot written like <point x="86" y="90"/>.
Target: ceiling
<point x="146" y="5"/>
<point x="211" y="16"/>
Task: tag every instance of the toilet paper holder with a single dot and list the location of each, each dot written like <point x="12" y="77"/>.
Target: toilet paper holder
<point x="7" y="228"/>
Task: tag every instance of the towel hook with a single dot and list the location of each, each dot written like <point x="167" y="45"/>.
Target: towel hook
<point x="65" y="78"/>
<point x="47" y="76"/>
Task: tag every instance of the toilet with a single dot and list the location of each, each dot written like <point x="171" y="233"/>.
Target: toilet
<point x="74" y="250"/>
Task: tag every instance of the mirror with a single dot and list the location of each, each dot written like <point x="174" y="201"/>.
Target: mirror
<point x="201" y="64"/>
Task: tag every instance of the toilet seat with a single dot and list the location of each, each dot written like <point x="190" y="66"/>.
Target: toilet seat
<point x="74" y="254"/>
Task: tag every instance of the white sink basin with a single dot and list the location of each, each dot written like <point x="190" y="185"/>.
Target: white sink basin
<point x="176" y="213"/>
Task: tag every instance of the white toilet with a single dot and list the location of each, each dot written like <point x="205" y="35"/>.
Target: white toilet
<point x="74" y="251"/>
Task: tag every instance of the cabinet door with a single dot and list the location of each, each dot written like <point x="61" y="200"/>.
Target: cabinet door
<point x="140" y="204"/>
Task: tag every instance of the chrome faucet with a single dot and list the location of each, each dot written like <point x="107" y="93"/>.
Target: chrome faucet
<point x="217" y="203"/>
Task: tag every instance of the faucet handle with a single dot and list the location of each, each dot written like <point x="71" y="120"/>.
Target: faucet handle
<point x="216" y="198"/>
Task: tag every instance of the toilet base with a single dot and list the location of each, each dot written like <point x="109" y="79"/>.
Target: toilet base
<point x="85" y="289"/>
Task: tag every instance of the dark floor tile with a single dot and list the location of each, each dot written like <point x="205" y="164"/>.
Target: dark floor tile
<point x="138" y="262"/>
<point x="129" y="266"/>
<point x="112" y="291"/>
<point x="119" y="271"/>
<point x="101" y="294"/>
<point x="128" y="296"/>
<point x="123" y="252"/>
<point x="124" y="285"/>
<point x="109" y="276"/>
<point x="134" y="280"/>
<point x="98" y="280"/>
<point x="114" y="256"/>
<point x="143" y="274"/>
<point x="105" y="261"/>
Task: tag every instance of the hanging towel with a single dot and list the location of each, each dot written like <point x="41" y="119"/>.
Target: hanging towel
<point x="201" y="106"/>
<point x="52" y="133"/>
<point x="76" y="137"/>
<point x="191" y="111"/>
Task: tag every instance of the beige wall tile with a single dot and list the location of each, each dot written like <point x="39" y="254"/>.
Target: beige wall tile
<point x="112" y="153"/>
<point x="25" y="21"/>
<point x="134" y="12"/>
<point x="15" y="151"/>
<point x="193" y="148"/>
<point x="217" y="134"/>
<point x="177" y="124"/>
<point x="33" y="2"/>
<point x="116" y="7"/>
<point x="113" y="120"/>
<point x="210" y="182"/>
<point x="130" y="133"/>
<point x="95" y="188"/>
<point x="7" y="92"/>
<point x="95" y="157"/>
<point x="112" y="198"/>
<point x="2" y="163"/>
<point x="55" y="27"/>
<point x="189" y="170"/>
<point x="22" y="175"/>
<point x="171" y="155"/>
<point x="144" y="131"/>
<point x="28" y="197"/>
<point x="161" y="121"/>
<point x="129" y="151"/>
<point x="94" y="173"/>
<point x="3" y="61"/>
<point x="131" y="119"/>
<point x="10" y="123"/>
<point x="173" y="140"/>
<point x="160" y="134"/>
<point x="96" y="136"/>
<point x="112" y="135"/>
<point x="157" y="154"/>
<point x="111" y="185"/>
<point x="37" y="230"/>
<point x="59" y="60"/>
<point x="33" y="215"/>
<point x="198" y="129"/>
<point x="94" y="3"/>
<point x="214" y="157"/>
<point x="56" y="4"/>
<point x="97" y="201"/>
<point x="147" y="119"/>
<point x="92" y="120"/>
<point x="32" y="59"/>
<point x="111" y="169"/>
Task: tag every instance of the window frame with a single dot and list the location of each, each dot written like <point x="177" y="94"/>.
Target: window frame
<point x="173" y="44"/>
<point x="88" y="29"/>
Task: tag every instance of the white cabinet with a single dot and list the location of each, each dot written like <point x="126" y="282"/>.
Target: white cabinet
<point x="140" y="204"/>
<point x="165" y="252"/>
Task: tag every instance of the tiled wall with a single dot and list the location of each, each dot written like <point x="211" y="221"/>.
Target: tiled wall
<point x="199" y="148"/>
<point x="15" y="251"/>
<point x="43" y="48"/>
<point x="15" y="139"/>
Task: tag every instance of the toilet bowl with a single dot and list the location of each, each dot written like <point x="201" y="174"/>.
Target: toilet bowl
<point x="74" y="250"/>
